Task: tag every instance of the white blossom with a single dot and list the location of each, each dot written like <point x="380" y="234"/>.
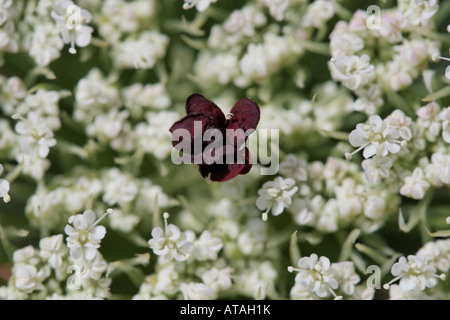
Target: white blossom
<point x="53" y="250"/>
<point x="316" y="275"/>
<point x="437" y="254"/>
<point x="353" y="71"/>
<point x="376" y="137"/>
<point x="26" y="256"/>
<point x="413" y="273"/>
<point x="445" y="118"/>
<point x="277" y="8"/>
<point x="12" y="92"/>
<point x="170" y="243"/>
<point x="346" y="276"/>
<point x="377" y="168"/>
<point x="253" y="64"/>
<point x="206" y="247"/>
<point x="26" y="278"/>
<point x="441" y="166"/>
<point x="45" y="44"/>
<point x="84" y="235"/>
<point x="276" y="195"/>
<point x="217" y="279"/>
<point x="71" y="21"/>
<point x="36" y="138"/>
<point x="295" y="168"/>
<point x="318" y="13"/>
<point x="345" y="44"/>
<point x="119" y="187"/>
<point x="200" y="5"/>
<point x="415" y="185"/>
<point x="141" y="53"/>
<point x="4" y="188"/>
<point x="197" y="291"/>
<point x="419" y="12"/>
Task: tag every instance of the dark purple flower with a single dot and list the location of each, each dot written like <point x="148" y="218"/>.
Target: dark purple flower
<point x="215" y="142"/>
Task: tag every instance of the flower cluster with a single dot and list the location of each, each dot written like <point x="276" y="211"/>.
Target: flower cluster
<point x="318" y="278"/>
<point x="419" y="274"/>
<point x="57" y="270"/>
<point x="374" y="58"/>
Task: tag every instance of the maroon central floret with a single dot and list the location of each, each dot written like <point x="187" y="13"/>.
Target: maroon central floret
<point x="235" y="128"/>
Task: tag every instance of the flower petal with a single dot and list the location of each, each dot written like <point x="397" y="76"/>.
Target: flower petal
<point x="245" y="115"/>
<point x="198" y="104"/>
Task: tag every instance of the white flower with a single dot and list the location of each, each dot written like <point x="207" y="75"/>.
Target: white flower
<point x="242" y="22"/>
<point x="328" y="217"/>
<point x="123" y="221"/>
<point x="377" y="168"/>
<point x="26" y="278"/>
<point x="315" y="274"/>
<point x="414" y="273"/>
<point x="45" y="44"/>
<point x="437" y="254"/>
<point x="401" y="123"/>
<point x="119" y="187"/>
<point x="253" y="63"/>
<point x="376" y="137"/>
<point x="207" y="247"/>
<point x="107" y="126"/>
<point x="197" y="291"/>
<point x="257" y="280"/>
<point x="318" y="13"/>
<point x="393" y="24"/>
<point x="200" y="5"/>
<point x="12" y="92"/>
<point x="419" y="12"/>
<point x="93" y="92"/>
<point x="92" y="269"/>
<point x="397" y="293"/>
<point x="53" y="250"/>
<point x="36" y="138"/>
<point x="299" y="292"/>
<point x="138" y="97"/>
<point x="415" y="185"/>
<point x="441" y="166"/>
<point x="345" y="44"/>
<point x="222" y="67"/>
<point x="277" y="8"/>
<point x="353" y="71"/>
<point x="170" y="243"/>
<point x="251" y="240"/>
<point x="348" y="196"/>
<point x="71" y="21"/>
<point x="217" y="279"/>
<point x="167" y="279"/>
<point x="429" y="119"/>
<point x="4" y="188"/>
<point x="4" y="14"/>
<point x="141" y="53"/>
<point x="293" y="167"/>
<point x="84" y="236"/>
<point x="276" y="195"/>
<point x="154" y="136"/>
<point x="45" y="103"/>
<point x="375" y="206"/>
<point x="445" y="117"/>
<point x="306" y="210"/>
<point x="346" y="276"/>
<point x="27" y="255"/>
